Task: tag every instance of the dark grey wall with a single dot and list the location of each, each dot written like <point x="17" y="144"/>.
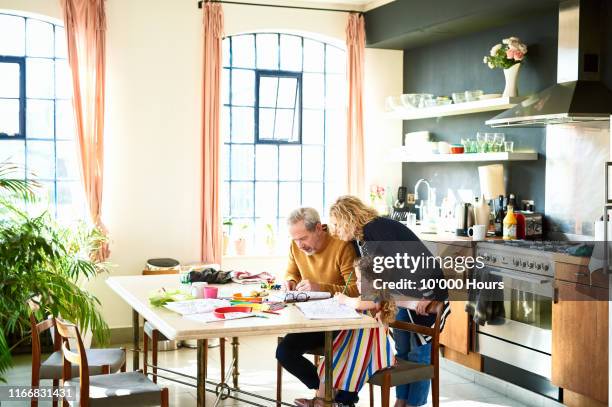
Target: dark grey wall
<point x="456" y="65"/>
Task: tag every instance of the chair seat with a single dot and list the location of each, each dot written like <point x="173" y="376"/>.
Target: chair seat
<point x="96" y="358"/>
<point x="120" y="389"/>
<point x="148" y="328"/>
<point x="403" y="372"/>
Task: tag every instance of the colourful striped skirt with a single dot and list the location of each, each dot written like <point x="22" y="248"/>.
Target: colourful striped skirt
<point x="358" y="354"/>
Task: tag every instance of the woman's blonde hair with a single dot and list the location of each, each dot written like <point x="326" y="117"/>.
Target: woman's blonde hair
<point x="388" y="308"/>
<point x="351" y="215"/>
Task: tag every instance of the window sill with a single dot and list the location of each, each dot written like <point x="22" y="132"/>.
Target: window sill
<point x="255" y="257"/>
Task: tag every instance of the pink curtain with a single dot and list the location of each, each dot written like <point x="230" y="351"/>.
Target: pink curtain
<point x="355" y="44"/>
<point x="211" y="138"/>
<point x="85" y="23"/>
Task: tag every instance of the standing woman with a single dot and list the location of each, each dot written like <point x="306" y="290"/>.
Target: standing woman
<point x="351" y="219"/>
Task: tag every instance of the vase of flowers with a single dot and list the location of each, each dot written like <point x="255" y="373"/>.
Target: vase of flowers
<point x="377" y="198"/>
<point x="508" y="56"/>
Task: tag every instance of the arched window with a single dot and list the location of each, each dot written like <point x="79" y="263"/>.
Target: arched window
<point x="283" y="126"/>
<point x="36" y="117"/>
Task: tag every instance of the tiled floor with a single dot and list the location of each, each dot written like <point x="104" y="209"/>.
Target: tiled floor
<point x="258" y="375"/>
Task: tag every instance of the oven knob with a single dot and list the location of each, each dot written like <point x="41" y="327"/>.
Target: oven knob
<point x="530" y="265"/>
<point x="493" y="259"/>
<point x="524" y="264"/>
<point x="546" y="267"/>
<point x="539" y="266"/>
<point x="487" y="258"/>
<point x="516" y="262"/>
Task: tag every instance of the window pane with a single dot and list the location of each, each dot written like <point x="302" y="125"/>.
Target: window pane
<point x="40" y="156"/>
<point x="313" y="158"/>
<point x="287" y="125"/>
<point x="39" y="36"/>
<point x="39" y="78"/>
<point x="225" y="78"/>
<point x="225" y="151"/>
<point x="39" y="118"/>
<point x="225" y="203"/>
<point x="12" y="35"/>
<point x="242" y="199"/>
<point x="64" y="122"/>
<point x="314" y="56"/>
<point x="266" y="124"/>
<point x="46" y="194"/>
<point x="268" y="91"/>
<point x="313" y="89"/>
<point x="60" y="43"/>
<point x="242" y="162"/>
<point x="335" y="60"/>
<point x="266" y="199"/>
<point x="67" y="162"/>
<point x="9" y="80"/>
<point x="13" y="151"/>
<point x="312" y="127"/>
<point x="243" y="51"/>
<point x="290" y="163"/>
<point x="291" y="53"/>
<point x="63" y="80"/>
<point x="243" y="87"/>
<point x="289" y="197"/>
<point x="335" y="94"/>
<point x="267" y="51"/>
<point x="225" y="47"/>
<point x="288" y="92"/>
<point x="226" y="124"/>
<point x="70" y="201"/>
<point x="243" y="124"/>
<point x="312" y="195"/>
<point x="9" y="116"/>
<point x="266" y="162"/>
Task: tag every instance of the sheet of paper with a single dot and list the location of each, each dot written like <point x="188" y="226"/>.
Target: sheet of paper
<point x="198" y="306"/>
<point x="210" y="317"/>
<point x="292" y="296"/>
<point x="327" y="309"/>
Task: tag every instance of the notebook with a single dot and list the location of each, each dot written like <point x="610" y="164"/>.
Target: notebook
<point x="197" y="306"/>
<point x="297" y="296"/>
<point x="327" y="309"/>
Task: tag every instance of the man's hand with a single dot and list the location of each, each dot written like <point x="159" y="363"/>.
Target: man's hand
<point x="288" y="285"/>
<point x="307" y="285"/>
<point x="421" y="307"/>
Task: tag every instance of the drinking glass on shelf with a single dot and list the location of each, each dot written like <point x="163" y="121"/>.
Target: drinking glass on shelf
<point x="481" y="140"/>
<point x="490" y="142"/>
<point x="509" y="146"/>
<point x="499" y="142"/>
<point x="466" y="142"/>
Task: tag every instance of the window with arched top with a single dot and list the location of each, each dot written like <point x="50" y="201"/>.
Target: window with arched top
<point x="36" y="117"/>
<point x="284" y="114"/>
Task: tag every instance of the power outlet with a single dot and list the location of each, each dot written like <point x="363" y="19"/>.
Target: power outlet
<point x="410" y="199"/>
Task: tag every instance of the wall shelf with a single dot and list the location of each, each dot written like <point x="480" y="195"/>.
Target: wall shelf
<point x="470" y="157"/>
<point x="477" y="106"/>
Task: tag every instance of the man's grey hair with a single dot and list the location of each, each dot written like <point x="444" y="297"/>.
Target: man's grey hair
<point x="310" y="216"/>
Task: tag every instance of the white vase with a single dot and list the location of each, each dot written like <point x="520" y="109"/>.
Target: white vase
<point x="511" y="75"/>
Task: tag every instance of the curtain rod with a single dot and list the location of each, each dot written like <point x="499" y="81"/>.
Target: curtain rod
<point x="280" y="6"/>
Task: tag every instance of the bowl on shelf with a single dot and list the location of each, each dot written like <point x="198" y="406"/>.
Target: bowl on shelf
<point x="458" y="97"/>
<point x="439" y="101"/>
<point x="472" y="95"/>
<point x="393" y="103"/>
<point x="457" y="149"/>
<point x="416" y="100"/>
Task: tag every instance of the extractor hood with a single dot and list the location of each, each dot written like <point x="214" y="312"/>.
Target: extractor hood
<point x="579" y="95"/>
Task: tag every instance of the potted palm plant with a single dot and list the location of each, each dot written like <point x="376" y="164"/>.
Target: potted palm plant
<point x="44" y="263"/>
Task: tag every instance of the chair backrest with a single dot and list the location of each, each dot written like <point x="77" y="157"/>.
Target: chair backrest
<point x="38" y="328"/>
<point x="69" y="331"/>
<point x="434" y="332"/>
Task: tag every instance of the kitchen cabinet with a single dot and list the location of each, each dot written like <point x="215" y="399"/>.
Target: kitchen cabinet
<point x="580" y="336"/>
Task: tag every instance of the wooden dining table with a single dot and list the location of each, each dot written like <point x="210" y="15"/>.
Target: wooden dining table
<point x="136" y="290"/>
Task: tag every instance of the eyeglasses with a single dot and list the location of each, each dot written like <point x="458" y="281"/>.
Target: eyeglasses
<point x="299" y="297"/>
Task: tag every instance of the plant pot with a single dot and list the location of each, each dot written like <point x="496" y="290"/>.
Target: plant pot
<point x="240" y="246"/>
<point x="511" y="75"/>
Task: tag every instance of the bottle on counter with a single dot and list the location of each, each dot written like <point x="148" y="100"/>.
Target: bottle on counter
<point x="510" y="224"/>
<point x="499" y="217"/>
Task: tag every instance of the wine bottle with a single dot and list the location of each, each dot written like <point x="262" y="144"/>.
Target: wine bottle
<point x="499" y="217"/>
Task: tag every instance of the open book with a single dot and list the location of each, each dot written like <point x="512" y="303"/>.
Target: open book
<point x="297" y="296"/>
<point x="327" y="309"/>
<point x="197" y="306"/>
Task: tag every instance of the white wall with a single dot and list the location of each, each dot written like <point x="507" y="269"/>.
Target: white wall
<point x="152" y="138"/>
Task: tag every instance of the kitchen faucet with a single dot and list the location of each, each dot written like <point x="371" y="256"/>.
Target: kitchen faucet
<point x="424" y="207"/>
<point x="416" y="189"/>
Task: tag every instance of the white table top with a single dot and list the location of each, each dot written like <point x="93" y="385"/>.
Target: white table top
<point x="135" y="290"/>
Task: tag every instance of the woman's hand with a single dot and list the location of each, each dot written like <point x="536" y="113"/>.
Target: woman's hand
<point x="421" y="307"/>
<point x="341" y="298"/>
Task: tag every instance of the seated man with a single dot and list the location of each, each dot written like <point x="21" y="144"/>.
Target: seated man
<point x="317" y="262"/>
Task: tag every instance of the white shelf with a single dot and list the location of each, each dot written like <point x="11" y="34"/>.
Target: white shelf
<point x="469" y="157"/>
<point x="456" y="109"/>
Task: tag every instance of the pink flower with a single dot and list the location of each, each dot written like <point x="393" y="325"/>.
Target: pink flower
<point x="518" y="55"/>
<point x="510" y="53"/>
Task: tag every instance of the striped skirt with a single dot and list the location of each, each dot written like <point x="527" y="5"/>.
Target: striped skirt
<point x="358" y="354"/>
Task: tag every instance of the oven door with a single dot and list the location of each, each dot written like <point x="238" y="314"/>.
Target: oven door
<point x="521" y="334"/>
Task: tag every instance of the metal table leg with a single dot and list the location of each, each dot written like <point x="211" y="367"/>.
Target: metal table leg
<point x="136" y="340"/>
<point x="201" y="374"/>
<point x="235" y="373"/>
<point x="329" y="398"/>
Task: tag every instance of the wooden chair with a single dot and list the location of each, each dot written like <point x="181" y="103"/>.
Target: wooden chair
<point x="117" y="389"/>
<point x="404" y="372"/>
<point x="317" y="353"/>
<point x="100" y="360"/>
